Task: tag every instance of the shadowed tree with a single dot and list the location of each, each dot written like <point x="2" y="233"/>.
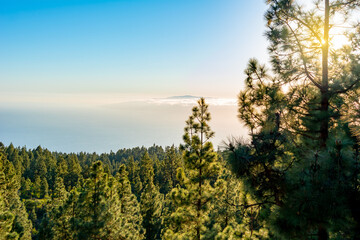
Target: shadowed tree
<point x="170" y="164"/>
<point x="301" y="161"/>
<point x="151" y="200"/>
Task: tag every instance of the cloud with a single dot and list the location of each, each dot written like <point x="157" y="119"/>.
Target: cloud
<point x="26" y="100"/>
<point x="188" y="100"/>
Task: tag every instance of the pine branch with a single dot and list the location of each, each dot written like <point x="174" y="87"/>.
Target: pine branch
<point x="303" y="57"/>
<point x="344" y="90"/>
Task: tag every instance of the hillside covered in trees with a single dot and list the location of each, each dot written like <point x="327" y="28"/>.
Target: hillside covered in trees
<point x="297" y="177"/>
<point x="139" y="193"/>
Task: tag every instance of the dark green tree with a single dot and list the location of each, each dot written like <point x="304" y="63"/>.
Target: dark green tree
<point x="13" y="210"/>
<point x="151" y="200"/>
<point x="170" y="164"/>
<point x="26" y="186"/>
<point x="44" y="188"/>
<point x="146" y="168"/>
<point x="36" y="191"/>
<point x="301" y="162"/>
<point x="60" y="194"/>
<point x="6" y="217"/>
<point x="63" y="218"/>
<point x="99" y="207"/>
<point x="131" y="223"/>
<point x="73" y="171"/>
<point x="55" y="224"/>
<point x="134" y="176"/>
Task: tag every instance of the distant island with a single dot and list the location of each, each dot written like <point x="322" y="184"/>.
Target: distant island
<point x="183" y="97"/>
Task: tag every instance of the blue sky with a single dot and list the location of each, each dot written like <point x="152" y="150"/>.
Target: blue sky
<point x="69" y="67"/>
<point x="150" y="47"/>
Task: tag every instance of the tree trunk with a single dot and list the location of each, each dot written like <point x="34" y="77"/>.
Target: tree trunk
<point x="324" y="107"/>
<point x="322" y="234"/>
<point x="198" y="235"/>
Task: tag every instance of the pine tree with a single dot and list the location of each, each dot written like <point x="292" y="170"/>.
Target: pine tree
<point x="223" y="214"/>
<point x="131" y="223"/>
<point x="73" y="171"/>
<point x="60" y="194"/>
<point x="13" y="210"/>
<point x="92" y="204"/>
<point x="56" y="217"/>
<point x="26" y="162"/>
<point x="61" y="167"/>
<point x="170" y="164"/>
<point x="151" y="200"/>
<point x="37" y="187"/>
<point x="192" y="201"/>
<point x="234" y="215"/>
<point x="64" y="218"/>
<point x="40" y="167"/>
<point x="26" y="186"/>
<point x="157" y="170"/>
<point x="134" y="176"/>
<point x="99" y="207"/>
<point x="301" y="161"/>
<point x="6" y="217"/>
<point x="146" y="168"/>
<point x="44" y="188"/>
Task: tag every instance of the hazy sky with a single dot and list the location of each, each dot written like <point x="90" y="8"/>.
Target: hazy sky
<point x="66" y="57"/>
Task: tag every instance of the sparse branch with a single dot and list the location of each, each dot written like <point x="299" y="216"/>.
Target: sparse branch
<point x="257" y="75"/>
<point x="304" y="24"/>
<point x="302" y="133"/>
<point x="303" y="57"/>
<point x="340" y="4"/>
<point x="344" y="90"/>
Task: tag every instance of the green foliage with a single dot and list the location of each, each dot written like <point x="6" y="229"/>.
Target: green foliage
<point x="191" y="200"/>
<point x="63" y="217"/>
<point x="130" y="209"/>
<point x="99" y="207"/>
<point x="301" y="163"/>
<point x="72" y="175"/>
<point x="6" y="217"/>
<point x="13" y="216"/>
<point x="171" y="163"/>
<point x="134" y="177"/>
<point x="151" y="200"/>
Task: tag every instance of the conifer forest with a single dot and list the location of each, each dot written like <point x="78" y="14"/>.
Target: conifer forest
<point x="297" y="175"/>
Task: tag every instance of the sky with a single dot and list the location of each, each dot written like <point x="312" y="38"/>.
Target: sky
<point x="79" y="75"/>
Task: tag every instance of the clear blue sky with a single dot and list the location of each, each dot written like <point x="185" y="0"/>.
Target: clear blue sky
<point x="65" y="66"/>
<point x="166" y="47"/>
